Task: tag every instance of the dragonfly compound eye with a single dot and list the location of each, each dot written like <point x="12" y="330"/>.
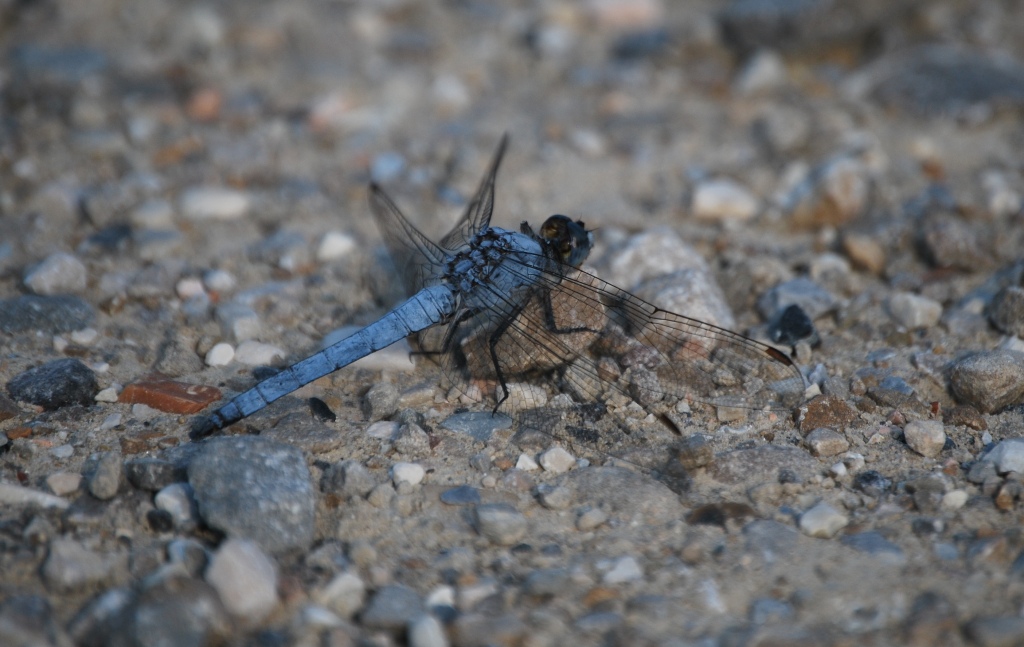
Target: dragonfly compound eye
<point x="570" y="240"/>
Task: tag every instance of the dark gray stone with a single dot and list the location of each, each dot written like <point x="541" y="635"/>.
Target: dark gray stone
<point x="55" y="314"/>
<point x="391" y="608"/>
<point x="813" y="299"/>
<point x="56" y="384"/>
<point x="249" y="487"/>
<point x="461" y="495"/>
<point x="153" y="474"/>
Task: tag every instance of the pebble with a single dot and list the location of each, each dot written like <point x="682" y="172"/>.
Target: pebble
<point x="695" y="292"/>
<point x="825" y="411"/>
<point x="411" y="441"/>
<point x="763" y="71"/>
<point x="996" y="631"/>
<point x="826" y="442"/>
<point x="384" y="430"/>
<point x="624" y="569"/>
<point x="70" y="566"/>
<point x="526" y="463"/>
<point x="556" y="497"/>
<point x="16" y="495"/>
<point x="557" y="460"/>
<point x="822" y="520"/>
<point x="872" y="542"/>
<point x="381" y="495"/>
<point x="152" y="474"/>
<point x="1007" y="456"/>
<point x="59" y="273"/>
<point x="152" y="214"/>
<point x="426" y="631"/>
<point x="62" y="452"/>
<point x="107" y="476"/>
<point x="940" y="80"/>
<point x="950" y="242"/>
<point x="381" y="401"/>
<point x="220" y="281"/>
<point x="49" y="314"/>
<point x="64" y="483"/>
<point x="723" y="199"/>
<point x="336" y="245"/>
<point x="177" y="499"/>
<point x="214" y="203"/>
<point x="392" y="608"/>
<point x="220" y="354"/>
<point x="238" y="321"/>
<point x="990" y="380"/>
<point x="170" y="396"/>
<point x="650" y="254"/>
<point x="347" y="478"/>
<point x="813" y="299"/>
<point x="411" y="473"/>
<point x="249" y="487"/>
<point x="832" y="194"/>
<point x="913" y="311"/>
<point x="762" y="464"/>
<point x="954" y="499"/>
<point x="926" y="437"/>
<point x="345" y="594"/>
<point x="478" y="425"/>
<point x="255" y="353"/>
<point x="461" y="495"/>
<point x="500" y="522"/>
<point x="85" y="336"/>
<point x="590" y="518"/>
<point x="864" y="252"/>
<point x="245" y="579"/>
<point x="55" y="384"/>
<point x="1007" y="310"/>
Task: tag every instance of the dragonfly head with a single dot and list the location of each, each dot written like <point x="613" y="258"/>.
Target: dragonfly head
<point x="570" y="240"/>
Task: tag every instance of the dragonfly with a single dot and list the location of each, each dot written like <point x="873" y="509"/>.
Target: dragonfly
<point x="512" y="318"/>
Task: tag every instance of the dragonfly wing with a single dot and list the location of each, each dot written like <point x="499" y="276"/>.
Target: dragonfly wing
<point x="477" y="215"/>
<point x="417" y="258"/>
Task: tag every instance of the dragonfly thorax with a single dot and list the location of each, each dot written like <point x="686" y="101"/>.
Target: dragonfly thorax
<point x="484" y="261"/>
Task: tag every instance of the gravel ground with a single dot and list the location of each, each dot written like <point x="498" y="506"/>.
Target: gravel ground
<point x="183" y="203"/>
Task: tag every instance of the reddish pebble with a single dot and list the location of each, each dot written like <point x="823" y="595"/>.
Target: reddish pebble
<point x="169" y="395"/>
<point x="205" y="104"/>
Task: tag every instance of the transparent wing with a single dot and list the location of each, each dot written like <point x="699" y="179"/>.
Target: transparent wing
<point x="563" y="353"/>
<point x="417" y="258"/>
<point x="477" y="215"/>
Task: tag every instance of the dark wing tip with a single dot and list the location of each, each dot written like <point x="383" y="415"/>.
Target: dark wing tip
<point x="779" y="356"/>
<point x="202" y="427"/>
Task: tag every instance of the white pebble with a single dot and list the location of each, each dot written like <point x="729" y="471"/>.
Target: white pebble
<point x="411" y="473"/>
<point x="914" y="311"/>
<point x="526" y="463"/>
<point x="189" y="287"/>
<point x="238" y="321"/>
<point x="110" y="422"/>
<point x="426" y="631"/>
<point x="108" y="394"/>
<point x="344" y="595"/>
<point x="62" y="451"/>
<point x="557" y="460"/>
<point x="626" y="569"/>
<point x="384" y="429"/>
<point x="926" y="437"/>
<point x="1008" y="455"/>
<point x="177" y="500"/>
<point x="723" y="199"/>
<point x="59" y="273"/>
<point x="838" y="470"/>
<point x="764" y="71"/>
<point x="255" y="353"/>
<point x="954" y="499"/>
<point x="219" y="281"/>
<point x="245" y="578"/>
<point x="214" y="203"/>
<point x="220" y="355"/>
<point x="64" y="483"/>
<point x="822" y="520"/>
<point x="153" y="214"/>
<point x="85" y="336"/>
<point x="335" y="245"/>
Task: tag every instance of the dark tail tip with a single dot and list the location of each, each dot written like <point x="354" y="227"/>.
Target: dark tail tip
<point x="203" y="427"/>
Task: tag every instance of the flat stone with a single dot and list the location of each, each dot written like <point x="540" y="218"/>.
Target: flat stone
<point x="822" y="520"/>
<point x="825" y="411"/>
<point x="245" y="579"/>
<point x="250" y="487"/>
<point x="480" y="425"/>
<point x="926" y="437"/>
<point x="50" y="314"/>
<point x="60" y="273"/>
<point x="16" y="495"/>
<point x="214" y="203"/>
<point x="873" y="543"/>
<point x="170" y="396"/>
<point x="989" y="380"/>
<point x="723" y="199"/>
<point x="392" y="608"/>
<point x="1007" y="456"/>
<point x="556" y="460"/>
<point x="255" y="353"/>
<point x="55" y="384"/>
<point x="826" y="442"/>
<point x="411" y="473"/>
<point x="501" y="523"/>
<point x="64" y="483"/>
<point x="914" y="311"/>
